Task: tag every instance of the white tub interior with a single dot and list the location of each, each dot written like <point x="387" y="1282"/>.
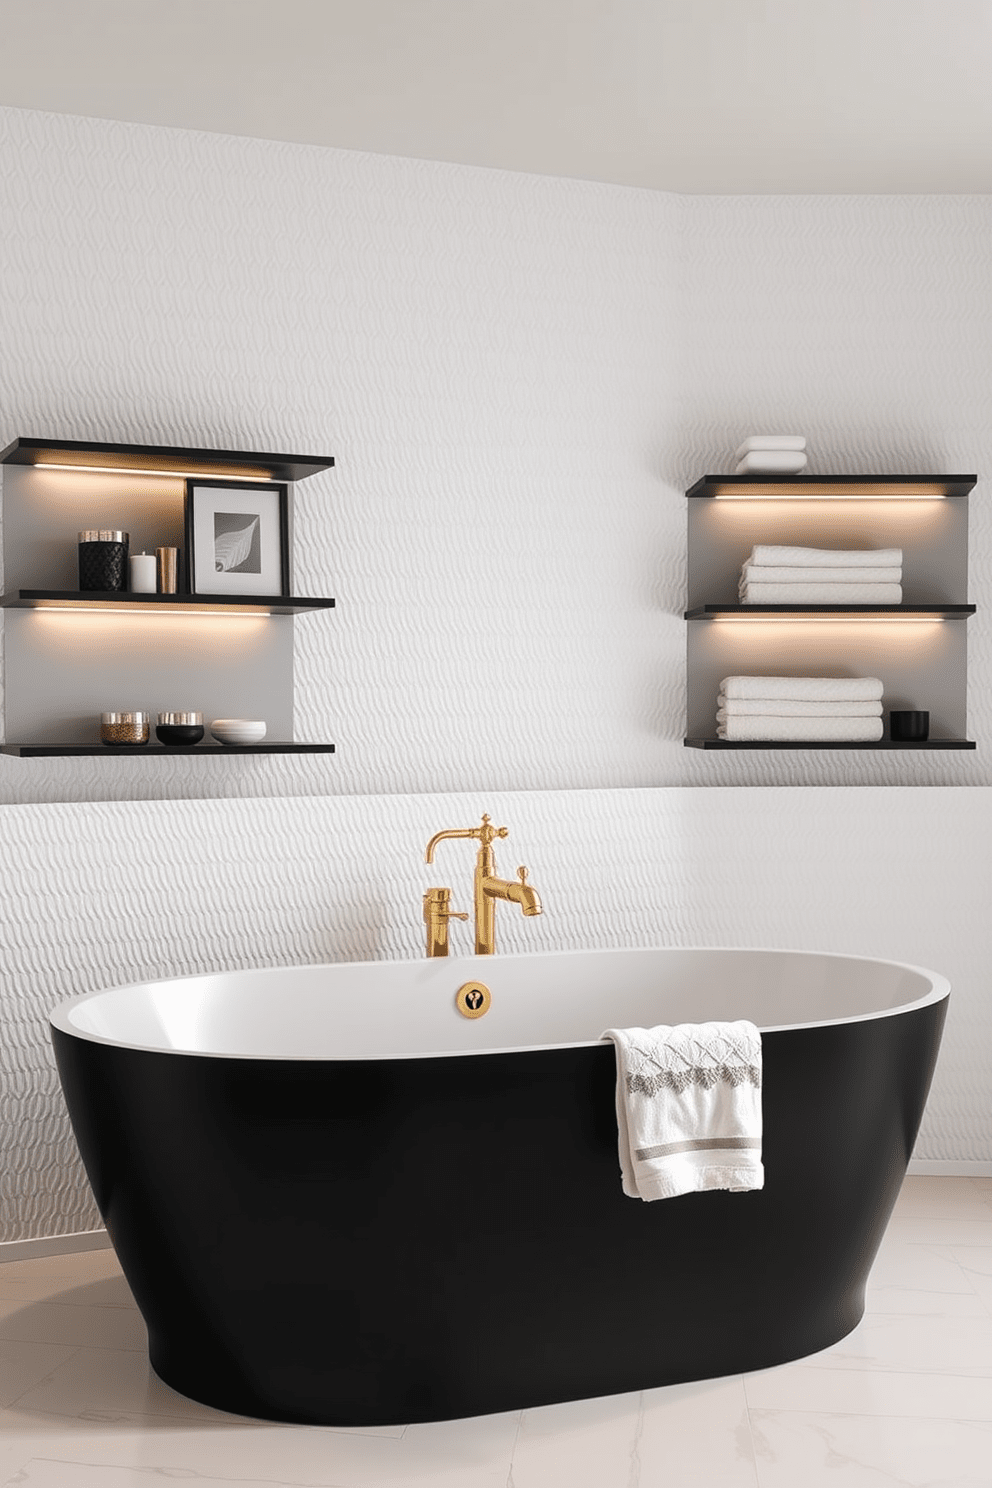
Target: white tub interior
<point x="395" y="1009"/>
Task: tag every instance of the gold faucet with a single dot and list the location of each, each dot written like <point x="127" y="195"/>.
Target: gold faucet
<point x="488" y="888"/>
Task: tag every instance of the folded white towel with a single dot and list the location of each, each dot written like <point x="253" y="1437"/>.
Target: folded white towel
<point x="778" y="557"/>
<point x="826" y="730"/>
<point x="840" y="594"/>
<point x="811" y="573"/>
<point x="771" y="442"/>
<point x="688" y="1108"/>
<point x="815" y="689"/>
<point x="794" y="708"/>
<point x="771" y="462"/>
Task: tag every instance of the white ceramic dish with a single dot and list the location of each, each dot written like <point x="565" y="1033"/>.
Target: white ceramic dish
<point x="238" y="730"/>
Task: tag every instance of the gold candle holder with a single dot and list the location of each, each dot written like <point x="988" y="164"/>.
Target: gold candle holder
<point x="167" y="564"/>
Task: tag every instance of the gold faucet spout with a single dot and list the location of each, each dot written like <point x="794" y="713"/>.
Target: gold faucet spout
<point x="518" y="892"/>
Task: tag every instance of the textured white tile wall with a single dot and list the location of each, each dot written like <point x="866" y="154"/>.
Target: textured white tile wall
<point x="103" y="893"/>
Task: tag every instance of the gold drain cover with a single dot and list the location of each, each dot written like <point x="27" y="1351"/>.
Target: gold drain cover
<point x="473" y="999"/>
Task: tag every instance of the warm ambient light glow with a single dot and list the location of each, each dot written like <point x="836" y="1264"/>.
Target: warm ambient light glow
<point x="849" y="619"/>
<point x="840" y="492"/>
<point x="143" y="611"/>
<point x="230" y="474"/>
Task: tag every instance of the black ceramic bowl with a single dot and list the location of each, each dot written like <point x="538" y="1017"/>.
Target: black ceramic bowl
<point x="179" y="729"/>
<point x="179" y="733"/>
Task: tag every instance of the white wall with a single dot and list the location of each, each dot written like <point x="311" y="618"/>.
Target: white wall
<point x="518" y="377"/>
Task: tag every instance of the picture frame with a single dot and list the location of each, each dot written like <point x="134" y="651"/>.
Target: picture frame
<point x="237" y="537"/>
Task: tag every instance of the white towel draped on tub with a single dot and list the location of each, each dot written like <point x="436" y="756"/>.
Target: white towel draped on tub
<point x="688" y="1108"/>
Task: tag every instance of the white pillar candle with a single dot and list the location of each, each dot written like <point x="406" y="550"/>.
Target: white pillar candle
<point x="143" y="574"/>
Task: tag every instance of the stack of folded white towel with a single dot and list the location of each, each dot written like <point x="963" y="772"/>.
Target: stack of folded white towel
<point x="771" y="454"/>
<point x="782" y="575"/>
<point x="826" y="709"/>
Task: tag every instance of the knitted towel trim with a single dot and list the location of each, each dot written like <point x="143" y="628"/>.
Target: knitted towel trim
<point x="706" y="1076"/>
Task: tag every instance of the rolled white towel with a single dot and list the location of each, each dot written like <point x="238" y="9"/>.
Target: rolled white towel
<point x="840" y="594"/>
<point x="796" y="708"/>
<point x="771" y="462"/>
<point x="767" y="554"/>
<point x="768" y="573"/>
<point x="828" y="730"/>
<point x="794" y="442"/>
<point x="813" y="689"/>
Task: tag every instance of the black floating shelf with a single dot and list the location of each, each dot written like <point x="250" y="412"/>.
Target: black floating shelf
<point x="828" y="744"/>
<point x="195" y="604"/>
<point x="164" y="459"/>
<point x="142" y="751"/>
<point x="863" y="486"/>
<point x="923" y="611"/>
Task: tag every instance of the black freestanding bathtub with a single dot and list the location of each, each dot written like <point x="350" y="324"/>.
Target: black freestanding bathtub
<point x="339" y="1201"/>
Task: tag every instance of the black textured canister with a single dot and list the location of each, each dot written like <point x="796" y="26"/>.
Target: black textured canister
<point x="103" y="559"/>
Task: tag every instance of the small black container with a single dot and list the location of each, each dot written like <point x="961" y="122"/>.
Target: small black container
<point x="909" y="726"/>
<point x="181" y="730"/>
<point x="103" y="560"/>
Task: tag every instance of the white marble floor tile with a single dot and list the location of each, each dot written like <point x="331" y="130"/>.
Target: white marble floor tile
<point x="975" y="1264"/>
<point x="814" y="1450"/>
<point x="56" y="1322"/>
<point x="76" y="1266"/>
<point x="935" y="1230"/>
<point x="924" y="1197"/>
<point x="920" y="1344"/>
<point x="104" y="1291"/>
<point x="45" y="1473"/>
<point x="891" y="1299"/>
<point x="109" y="1383"/>
<point x="907" y="1267"/>
<point x="23" y="1365"/>
<point x="696" y="1436"/>
<point x="452" y="1454"/>
<point x="579" y="1444"/>
<point x="870" y="1392"/>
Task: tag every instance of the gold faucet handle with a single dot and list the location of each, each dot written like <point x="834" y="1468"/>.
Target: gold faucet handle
<point x="484" y="834"/>
<point x="522" y="874"/>
<point x="436" y="903"/>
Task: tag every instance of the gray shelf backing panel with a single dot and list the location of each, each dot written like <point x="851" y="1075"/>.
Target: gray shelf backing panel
<point x="922" y="663"/>
<point x="45" y="510"/>
<point x="64" y="669"/>
<point x="932" y="534"/>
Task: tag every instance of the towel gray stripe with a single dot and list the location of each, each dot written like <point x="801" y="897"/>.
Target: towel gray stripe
<point x="701" y="1144"/>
